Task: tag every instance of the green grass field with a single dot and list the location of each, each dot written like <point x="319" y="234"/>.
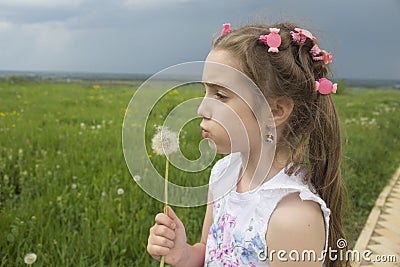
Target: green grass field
<point x="66" y="193"/>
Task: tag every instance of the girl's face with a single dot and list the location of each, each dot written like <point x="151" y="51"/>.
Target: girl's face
<point x="228" y="121"/>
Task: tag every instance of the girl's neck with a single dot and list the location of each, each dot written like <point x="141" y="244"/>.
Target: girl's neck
<point x="257" y="170"/>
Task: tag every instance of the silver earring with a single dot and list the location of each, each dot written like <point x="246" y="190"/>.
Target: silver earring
<point x="269" y="138"/>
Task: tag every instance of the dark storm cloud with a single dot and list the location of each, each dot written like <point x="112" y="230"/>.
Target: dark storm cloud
<point x="146" y="36"/>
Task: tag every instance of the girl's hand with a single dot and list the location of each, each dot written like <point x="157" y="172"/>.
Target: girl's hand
<point x="167" y="238"/>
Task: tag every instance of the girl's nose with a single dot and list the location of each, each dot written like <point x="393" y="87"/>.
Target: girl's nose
<point x="204" y="108"/>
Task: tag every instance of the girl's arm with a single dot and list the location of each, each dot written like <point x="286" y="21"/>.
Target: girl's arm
<point x="195" y="254"/>
<point x="168" y="237"/>
<point x="296" y="231"/>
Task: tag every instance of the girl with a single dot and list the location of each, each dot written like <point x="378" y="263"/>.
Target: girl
<point x="294" y="216"/>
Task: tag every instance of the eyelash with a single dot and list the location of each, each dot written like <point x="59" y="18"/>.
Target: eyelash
<point x="220" y="96"/>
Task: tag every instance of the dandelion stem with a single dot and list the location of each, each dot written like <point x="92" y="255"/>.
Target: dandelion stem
<point x="162" y="261"/>
<point x="166" y="186"/>
<point x="165" y="199"/>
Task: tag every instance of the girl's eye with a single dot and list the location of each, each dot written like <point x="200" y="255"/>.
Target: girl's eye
<point x="220" y="96"/>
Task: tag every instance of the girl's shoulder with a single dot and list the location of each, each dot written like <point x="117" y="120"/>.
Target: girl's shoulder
<point x="298" y="224"/>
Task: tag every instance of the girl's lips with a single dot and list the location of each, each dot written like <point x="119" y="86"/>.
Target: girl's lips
<point x="204" y="133"/>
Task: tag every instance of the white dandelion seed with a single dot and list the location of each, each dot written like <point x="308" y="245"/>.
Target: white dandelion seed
<point x="165" y="141"/>
<point x="136" y="178"/>
<point x="120" y="191"/>
<point x="74" y="186"/>
<point x="30" y="258"/>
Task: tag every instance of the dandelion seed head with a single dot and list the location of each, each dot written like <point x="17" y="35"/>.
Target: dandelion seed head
<point x="136" y="178"/>
<point x="74" y="186"/>
<point x="30" y="258"/>
<point x="165" y="141"/>
<point x="120" y="191"/>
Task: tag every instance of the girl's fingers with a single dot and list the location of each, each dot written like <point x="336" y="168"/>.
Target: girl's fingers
<point x="163" y="219"/>
<point x="161" y="242"/>
<point x="174" y="218"/>
<point x="164" y="231"/>
<point x="157" y="251"/>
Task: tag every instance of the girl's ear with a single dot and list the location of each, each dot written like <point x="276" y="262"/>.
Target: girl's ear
<point x="281" y="108"/>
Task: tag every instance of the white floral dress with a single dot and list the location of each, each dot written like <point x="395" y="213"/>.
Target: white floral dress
<point x="240" y="220"/>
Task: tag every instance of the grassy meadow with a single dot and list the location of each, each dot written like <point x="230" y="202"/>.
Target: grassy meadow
<point x="66" y="193"/>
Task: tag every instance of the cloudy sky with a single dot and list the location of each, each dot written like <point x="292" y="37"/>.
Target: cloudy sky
<point x="145" y="36"/>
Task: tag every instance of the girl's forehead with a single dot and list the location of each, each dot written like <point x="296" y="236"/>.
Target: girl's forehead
<point x="224" y="57"/>
<point x="217" y="74"/>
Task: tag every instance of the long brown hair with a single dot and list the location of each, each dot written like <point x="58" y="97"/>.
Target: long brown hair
<point x="312" y="131"/>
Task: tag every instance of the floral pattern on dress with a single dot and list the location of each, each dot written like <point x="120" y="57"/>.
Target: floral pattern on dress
<point x="229" y="247"/>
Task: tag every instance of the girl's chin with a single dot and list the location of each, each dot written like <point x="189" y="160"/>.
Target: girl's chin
<point x="218" y="149"/>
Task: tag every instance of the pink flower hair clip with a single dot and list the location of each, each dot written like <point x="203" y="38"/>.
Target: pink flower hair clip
<point x="273" y="40"/>
<point x="226" y="28"/>
<point x="325" y="86"/>
<point x="301" y="35"/>
<point x="315" y="53"/>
